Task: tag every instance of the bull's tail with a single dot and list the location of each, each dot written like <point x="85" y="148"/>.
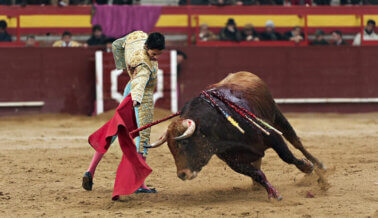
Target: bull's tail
<point x="282" y="124"/>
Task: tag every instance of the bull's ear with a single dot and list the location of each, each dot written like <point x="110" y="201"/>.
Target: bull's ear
<point x="158" y="143"/>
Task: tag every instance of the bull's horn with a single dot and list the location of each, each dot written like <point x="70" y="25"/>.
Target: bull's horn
<point x="159" y="142"/>
<point x="190" y="126"/>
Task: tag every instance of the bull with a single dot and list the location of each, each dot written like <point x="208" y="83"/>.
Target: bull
<point x="202" y="132"/>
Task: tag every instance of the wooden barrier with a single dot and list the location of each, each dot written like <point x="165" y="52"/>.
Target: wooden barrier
<point x="326" y="79"/>
<point x="62" y="80"/>
<point x="306" y="79"/>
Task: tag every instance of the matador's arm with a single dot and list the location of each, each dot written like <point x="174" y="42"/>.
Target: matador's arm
<point x="119" y="53"/>
<point x="139" y="82"/>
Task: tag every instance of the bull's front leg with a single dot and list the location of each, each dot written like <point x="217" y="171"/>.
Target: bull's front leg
<point x="257" y="165"/>
<point x="238" y="164"/>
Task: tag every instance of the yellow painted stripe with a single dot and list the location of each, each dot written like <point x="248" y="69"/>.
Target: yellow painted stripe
<point x="220" y="20"/>
<point x="333" y="21"/>
<point x="256" y="20"/>
<point x="181" y="20"/>
<point x="55" y="21"/>
<point x="172" y="20"/>
<point x="259" y="20"/>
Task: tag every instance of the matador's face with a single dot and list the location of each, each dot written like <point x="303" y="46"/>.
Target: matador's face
<point x="154" y="54"/>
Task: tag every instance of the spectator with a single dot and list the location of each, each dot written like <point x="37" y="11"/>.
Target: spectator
<point x="80" y="2"/>
<point x="369" y="33"/>
<point x="205" y="34"/>
<point x="108" y="44"/>
<point x="347" y="2"/>
<point x="301" y="2"/>
<point x="249" y="33"/>
<point x="245" y="2"/>
<point x="30" y="41"/>
<point x="269" y="2"/>
<point x="33" y="2"/>
<point x="97" y="37"/>
<point x="322" y="2"/>
<point x="66" y="41"/>
<point x="4" y="36"/>
<point x="370" y="2"/>
<point x="123" y="2"/>
<point x="230" y="32"/>
<point x="194" y="2"/>
<point x="337" y="37"/>
<point x="294" y="35"/>
<point x="319" y="38"/>
<point x="102" y="2"/>
<point x="5" y="2"/>
<point x="270" y="34"/>
<point x="181" y="57"/>
<point x="60" y="3"/>
<point x="221" y="2"/>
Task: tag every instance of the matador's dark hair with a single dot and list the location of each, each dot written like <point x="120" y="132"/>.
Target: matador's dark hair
<point x="66" y="33"/>
<point x="155" y="41"/>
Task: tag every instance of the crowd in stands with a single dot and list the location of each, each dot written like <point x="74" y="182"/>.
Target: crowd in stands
<point x="192" y="2"/>
<point x="96" y="39"/>
<point x="231" y="33"/>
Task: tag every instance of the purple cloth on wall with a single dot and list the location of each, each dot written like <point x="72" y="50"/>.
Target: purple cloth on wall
<point x="119" y="20"/>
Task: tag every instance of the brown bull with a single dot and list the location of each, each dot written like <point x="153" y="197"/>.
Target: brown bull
<point x="202" y="132"/>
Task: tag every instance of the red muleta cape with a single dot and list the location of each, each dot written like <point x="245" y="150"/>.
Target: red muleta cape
<point x="133" y="170"/>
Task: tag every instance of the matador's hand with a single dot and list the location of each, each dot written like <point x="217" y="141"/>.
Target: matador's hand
<point x="135" y="103"/>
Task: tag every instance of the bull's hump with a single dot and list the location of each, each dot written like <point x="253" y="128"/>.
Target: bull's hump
<point x="233" y="95"/>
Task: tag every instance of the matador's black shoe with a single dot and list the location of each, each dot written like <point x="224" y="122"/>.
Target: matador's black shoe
<point x="87" y="181"/>
<point x="143" y="190"/>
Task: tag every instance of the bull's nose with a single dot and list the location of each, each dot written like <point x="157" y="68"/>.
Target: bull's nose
<point x="186" y="174"/>
<point x="182" y="175"/>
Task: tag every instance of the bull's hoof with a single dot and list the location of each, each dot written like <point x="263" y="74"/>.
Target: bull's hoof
<point x="322" y="166"/>
<point x="273" y="193"/>
<point x="305" y="166"/>
<point x="87" y="181"/>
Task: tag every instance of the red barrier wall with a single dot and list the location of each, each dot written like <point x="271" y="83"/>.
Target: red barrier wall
<point x="64" y="78"/>
<point x="290" y="72"/>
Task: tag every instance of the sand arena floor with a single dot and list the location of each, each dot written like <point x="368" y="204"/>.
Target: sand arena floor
<point x="43" y="158"/>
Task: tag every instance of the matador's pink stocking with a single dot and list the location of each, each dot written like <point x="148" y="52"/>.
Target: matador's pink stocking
<point x="95" y="160"/>
<point x="143" y="185"/>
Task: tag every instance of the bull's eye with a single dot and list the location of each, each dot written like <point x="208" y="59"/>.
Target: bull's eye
<point x="182" y="143"/>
